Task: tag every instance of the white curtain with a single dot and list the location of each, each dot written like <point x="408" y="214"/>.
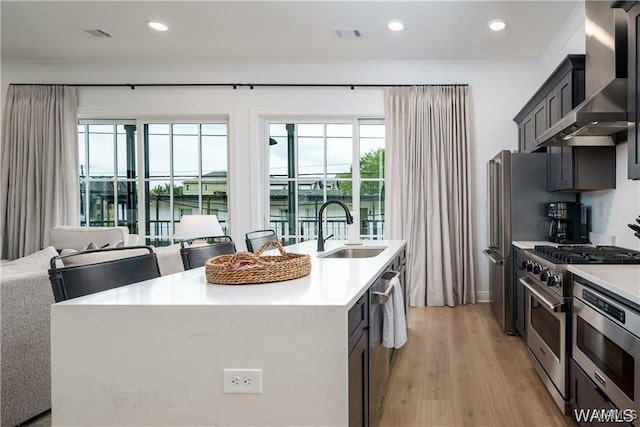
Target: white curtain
<point x="428" y="191"/>
<point x="39" y="182"/>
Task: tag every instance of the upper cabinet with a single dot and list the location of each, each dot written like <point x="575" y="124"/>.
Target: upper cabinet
<point x="634" y="93"/>
<point x="633" y="106"/>
<point x="568" y="168"/>
<point x="633" y="10"/>
<point x="559" y="94"/>
<point x="581" y="168"/>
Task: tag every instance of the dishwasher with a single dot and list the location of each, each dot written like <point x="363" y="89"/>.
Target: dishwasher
<point x="379" y="356"/>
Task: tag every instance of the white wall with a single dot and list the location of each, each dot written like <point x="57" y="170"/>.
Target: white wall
<point x="610" y="211"/>
<point x="498" y="91"/>
<point x="569" y="40"/>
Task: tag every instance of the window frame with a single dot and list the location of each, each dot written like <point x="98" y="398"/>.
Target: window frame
<point x="114" y="179"/>
<point x="355" y="122"/>
<point x="141" y="167"/>
<point x="142" y="178"/>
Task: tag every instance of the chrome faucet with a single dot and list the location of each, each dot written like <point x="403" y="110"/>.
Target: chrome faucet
<point x="321" y="238"/>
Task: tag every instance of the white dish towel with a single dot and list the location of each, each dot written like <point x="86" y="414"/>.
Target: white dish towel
<point x="394" y="326"/>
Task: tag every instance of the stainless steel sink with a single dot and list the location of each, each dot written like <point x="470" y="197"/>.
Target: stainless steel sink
<point x="353" y="253"/>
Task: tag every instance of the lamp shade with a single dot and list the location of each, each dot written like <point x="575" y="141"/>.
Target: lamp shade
<point x="194" y="226"/>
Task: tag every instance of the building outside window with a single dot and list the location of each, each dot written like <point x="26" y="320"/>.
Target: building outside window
<point x="184" y="172"/>
<point x="312" y="162"/>
<point x="108" y="195"/>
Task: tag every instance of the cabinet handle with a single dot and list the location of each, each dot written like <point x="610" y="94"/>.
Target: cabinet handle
<point x="600" y="379"/>
<point x="492" y="257"/>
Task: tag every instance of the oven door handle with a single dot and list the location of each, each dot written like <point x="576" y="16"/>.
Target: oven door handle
<point x="551" y="301"/>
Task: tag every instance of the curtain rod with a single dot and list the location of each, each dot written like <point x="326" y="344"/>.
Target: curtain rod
<point x="237" y="85"/>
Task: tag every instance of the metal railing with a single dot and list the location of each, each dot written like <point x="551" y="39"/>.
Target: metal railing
<point x="308" y="228"/>
<point x="160" y="232"/>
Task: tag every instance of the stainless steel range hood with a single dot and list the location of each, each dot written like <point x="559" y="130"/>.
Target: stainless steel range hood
<point x="602" y="118"/>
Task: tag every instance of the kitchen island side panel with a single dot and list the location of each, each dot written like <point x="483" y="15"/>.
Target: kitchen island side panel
<point x="163" y="365"/>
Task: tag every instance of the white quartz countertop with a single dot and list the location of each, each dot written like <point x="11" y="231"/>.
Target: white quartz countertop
<point x="332" y="282"/>
<point x="530" y="244"/>
<point x="622" y="280"/>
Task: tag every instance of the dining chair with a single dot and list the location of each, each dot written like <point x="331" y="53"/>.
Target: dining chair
<point x="255" y="239"/>
<point x="194" y="256"/>
<point x="97" y="270"/>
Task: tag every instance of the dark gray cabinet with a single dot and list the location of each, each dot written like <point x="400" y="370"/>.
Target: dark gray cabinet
<point x="634" y="91"/>
<point x="358" y="321"/>
<point x="563" y="97"/>
<point x="559" y="168"/>
<point x="526" y="134"/>
<point x="586" y="395"/>
<point x="568" y="168"/>
<point x="560" y="159"/>
<point x="531" y="127"/>
<point x="562" y="91"/>
<point x="399" y="264"/>
<point x="520" y="314"/>
<point x="581" y="168"/>
<point x="576" y="168"/>
<point x="365" y="376"/>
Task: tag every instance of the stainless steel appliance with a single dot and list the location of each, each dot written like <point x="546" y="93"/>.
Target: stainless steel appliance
<point x="548" y="302"/>
<point x="568" y="222"/>
<point x="379" y="356"/>
<point x="601" y="119"/>
<point x="606" y="343"/>
<point x="517" y="197"/>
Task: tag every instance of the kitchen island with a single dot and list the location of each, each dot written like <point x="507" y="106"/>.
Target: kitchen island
<point x="153" y="353"/>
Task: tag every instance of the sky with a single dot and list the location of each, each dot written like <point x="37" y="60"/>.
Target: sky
<point x="311" y="140"/>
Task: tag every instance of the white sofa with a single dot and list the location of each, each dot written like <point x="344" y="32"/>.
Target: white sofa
<point x="25" y="303"/>
<point x="77" y="238"/>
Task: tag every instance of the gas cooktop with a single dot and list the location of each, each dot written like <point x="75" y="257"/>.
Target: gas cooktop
<point x="588" y="254"/>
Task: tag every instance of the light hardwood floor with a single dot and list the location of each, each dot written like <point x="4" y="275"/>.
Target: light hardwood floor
<point x="459" y="369"/>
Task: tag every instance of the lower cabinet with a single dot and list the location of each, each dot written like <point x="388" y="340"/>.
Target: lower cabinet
<point x="359" y="382"/>
<point x="585" y="395"/>
<point x="369" y="361"/>
<point x="359" y="363"/>
<point x="520" y="314"/>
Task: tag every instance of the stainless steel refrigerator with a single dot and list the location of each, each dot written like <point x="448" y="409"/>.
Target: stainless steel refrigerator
<point x="517" y="197"/>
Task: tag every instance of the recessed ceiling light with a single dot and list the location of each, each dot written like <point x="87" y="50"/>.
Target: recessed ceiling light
<point x="157" y="25"/>
<point x="497" y="24"/>
<point x="395" y="25"/>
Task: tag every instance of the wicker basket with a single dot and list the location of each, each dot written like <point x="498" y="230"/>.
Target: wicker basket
<point x="244" y="268"/>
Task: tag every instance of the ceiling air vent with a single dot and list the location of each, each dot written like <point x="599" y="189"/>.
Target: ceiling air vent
<point x="347" y="33"/>
<point x="98" y="33"/>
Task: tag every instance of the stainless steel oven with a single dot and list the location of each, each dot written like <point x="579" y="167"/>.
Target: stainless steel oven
<point x="606" y="345"/>
<point x="550" y="322"/>
<point x="546" y="325"/>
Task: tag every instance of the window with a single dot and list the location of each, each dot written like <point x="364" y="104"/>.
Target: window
<point x="371" y="179"/>
<point x="108" y="195"/>
<point x="184" y="172"/>
<point x="310" y="163"/>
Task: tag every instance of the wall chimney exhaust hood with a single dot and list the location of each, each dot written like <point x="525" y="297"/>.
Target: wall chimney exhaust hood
<point x="601" y="119"/>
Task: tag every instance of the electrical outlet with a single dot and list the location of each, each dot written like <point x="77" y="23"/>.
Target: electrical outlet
<point x="242" y="380"/>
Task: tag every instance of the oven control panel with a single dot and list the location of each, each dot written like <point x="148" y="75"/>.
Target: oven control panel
<point x="605" y="306"/>
<point x="542" y="273"/>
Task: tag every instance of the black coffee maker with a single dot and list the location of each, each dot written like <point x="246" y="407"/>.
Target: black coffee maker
<point x="568" y="222"/>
